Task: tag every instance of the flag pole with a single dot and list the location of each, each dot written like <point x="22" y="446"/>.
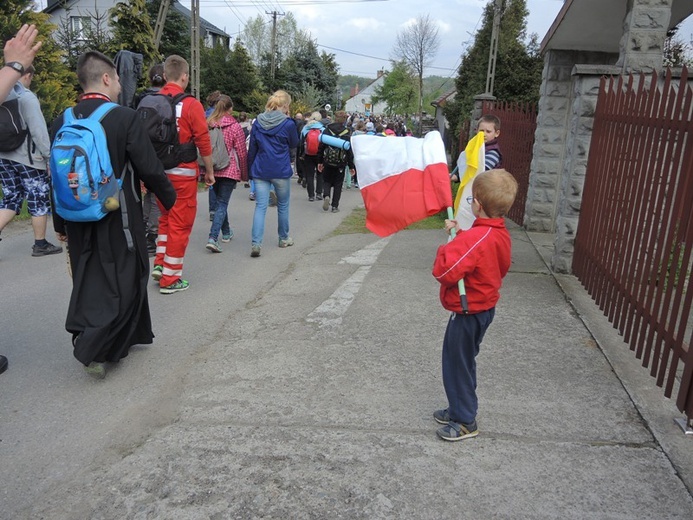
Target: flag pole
<point x="460" y="282"/>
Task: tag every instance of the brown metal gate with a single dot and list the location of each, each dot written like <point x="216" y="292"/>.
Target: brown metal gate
<point x="516" y="141"/>
<point x="635" y="237"/>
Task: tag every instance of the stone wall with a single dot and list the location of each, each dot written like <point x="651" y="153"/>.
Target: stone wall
<point x="644" y="32"/>
<point x="554" y="125"/>
<point x="585" y="90"/>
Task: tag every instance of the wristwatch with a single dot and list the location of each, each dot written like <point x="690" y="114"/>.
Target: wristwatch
<point x="16" y="66"/>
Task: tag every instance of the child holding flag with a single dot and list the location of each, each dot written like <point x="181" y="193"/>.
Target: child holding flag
<point x="481" y="154"/>
<point x="480" y="256"/>
<point x="490" y="126"/>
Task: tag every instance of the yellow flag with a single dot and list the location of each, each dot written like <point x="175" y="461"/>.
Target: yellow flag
<point x="469" y="164"/>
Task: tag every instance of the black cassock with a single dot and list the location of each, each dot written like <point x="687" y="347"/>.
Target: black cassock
<point x="109" y="310"/>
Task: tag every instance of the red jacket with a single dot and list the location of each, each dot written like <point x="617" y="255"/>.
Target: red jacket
<point x="234" y="138"/>
<point x="481" y="256"/>
<point x="192" y="124"/>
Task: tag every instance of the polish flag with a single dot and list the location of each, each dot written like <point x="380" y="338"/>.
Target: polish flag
<point x="402" y="179"/>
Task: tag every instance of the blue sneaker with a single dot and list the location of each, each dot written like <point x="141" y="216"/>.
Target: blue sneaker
<point x="442" y="416"/>
<point x="227" y="238"/>
<point x="457" y="431"/>
<point x="213" y="246"/>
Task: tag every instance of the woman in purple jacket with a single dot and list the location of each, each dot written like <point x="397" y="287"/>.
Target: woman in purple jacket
<point x="269" y="163"/>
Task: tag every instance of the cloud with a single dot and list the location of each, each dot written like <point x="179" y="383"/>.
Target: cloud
<point x="370" y="24"/>
<point x="408" y="23"/>
<point x="444" y="26"/>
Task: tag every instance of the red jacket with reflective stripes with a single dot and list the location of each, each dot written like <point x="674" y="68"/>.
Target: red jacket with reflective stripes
<point x="192" y="124"/>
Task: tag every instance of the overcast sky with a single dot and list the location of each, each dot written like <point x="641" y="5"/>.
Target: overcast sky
<point x="370" y="27"/>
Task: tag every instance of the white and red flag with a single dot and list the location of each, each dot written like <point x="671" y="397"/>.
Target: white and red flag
<point x="402" y="179"/>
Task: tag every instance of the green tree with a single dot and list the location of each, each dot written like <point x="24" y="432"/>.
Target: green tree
<point x="243" y="76"/>
<point x="306" y="67"/>
<point x="518" y="63"/>
<point x="132" y="30"/>
<point x="230" y="71"/>
<point x="53" y="82"/>
<point x="398" y="91"/>
<point x="307" y="100"/>
<point x="176" y="36"/>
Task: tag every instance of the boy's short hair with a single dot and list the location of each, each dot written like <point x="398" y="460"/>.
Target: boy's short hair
<point x="495" y="190"/>
<point x="175" y="66"/>
<point x="488" y="118"/>
<point x="91" y="66"/>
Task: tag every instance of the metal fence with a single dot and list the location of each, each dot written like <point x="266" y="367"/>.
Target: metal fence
<point x="516" y="141"/>
<point x="635" y="235"/>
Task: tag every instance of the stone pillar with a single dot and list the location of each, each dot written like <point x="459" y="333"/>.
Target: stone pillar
<point x="477" y="112"/>
<point x="549" y="149"/>
<point x="644" y="32"/>
<point x="585" y="91"/>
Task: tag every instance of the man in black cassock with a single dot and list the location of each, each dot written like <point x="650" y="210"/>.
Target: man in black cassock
<point x="109" y="311"/>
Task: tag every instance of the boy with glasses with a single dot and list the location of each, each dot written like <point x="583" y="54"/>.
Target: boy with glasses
<point x="481" y="257"/>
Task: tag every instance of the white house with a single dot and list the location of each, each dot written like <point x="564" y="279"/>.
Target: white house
<point x="361" y="101"/>
<point x="82" y="13"/>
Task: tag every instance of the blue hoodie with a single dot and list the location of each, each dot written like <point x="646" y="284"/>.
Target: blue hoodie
<point x="271" y="139"/>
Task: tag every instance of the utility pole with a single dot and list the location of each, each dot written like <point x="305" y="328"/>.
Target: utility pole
<point x="160" y="20"/>
<point x="274" y="42"/>
<point x="493" y="49"/>
<point x="195" y="48"/>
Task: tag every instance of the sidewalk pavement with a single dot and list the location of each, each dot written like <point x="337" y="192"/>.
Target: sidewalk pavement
<point x="315" y="401"/>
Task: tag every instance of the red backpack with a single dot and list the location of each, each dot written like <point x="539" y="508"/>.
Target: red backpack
<point x="312" y="141"/>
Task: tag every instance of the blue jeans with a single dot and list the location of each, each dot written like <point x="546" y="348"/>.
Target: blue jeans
<point x="262" y="189"/>
<point x="463" y="337"/>
<point x="212" y="200"/>
<point x="223" y="188"/>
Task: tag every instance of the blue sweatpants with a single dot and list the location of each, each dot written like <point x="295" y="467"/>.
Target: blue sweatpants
<point x="463" y="337"/>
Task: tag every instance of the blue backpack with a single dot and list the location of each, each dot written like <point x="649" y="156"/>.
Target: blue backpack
<point x="84" y="184"/>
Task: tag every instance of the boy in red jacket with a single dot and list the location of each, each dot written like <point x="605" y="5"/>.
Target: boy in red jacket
<point x="480" y="256"/>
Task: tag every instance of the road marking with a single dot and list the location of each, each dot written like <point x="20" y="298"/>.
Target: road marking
<point x="329" y="313"/>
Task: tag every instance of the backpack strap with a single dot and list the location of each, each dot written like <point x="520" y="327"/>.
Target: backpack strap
<point x="68" y="116"/>
<point x="124" y="208"/>
<point x="102" y="110"/>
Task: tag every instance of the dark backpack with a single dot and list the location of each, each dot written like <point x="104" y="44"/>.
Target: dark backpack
<point x="333" y="156"/>
<point x="312" y="141"/>
<point x="158" y="115"/>
<point x="12" y="133"/>
<point x="81" y="171"/>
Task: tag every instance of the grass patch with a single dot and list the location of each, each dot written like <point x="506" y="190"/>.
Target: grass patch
<point x="355" y="222"/>
<point x="23" y="214"/>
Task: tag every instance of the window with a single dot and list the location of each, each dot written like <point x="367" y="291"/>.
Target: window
<point x="79" y="25"/>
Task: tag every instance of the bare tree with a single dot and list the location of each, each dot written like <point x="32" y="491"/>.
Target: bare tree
<point x="417" y="45"/>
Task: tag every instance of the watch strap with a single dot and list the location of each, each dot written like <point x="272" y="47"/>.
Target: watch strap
<point x="16" y="66"/>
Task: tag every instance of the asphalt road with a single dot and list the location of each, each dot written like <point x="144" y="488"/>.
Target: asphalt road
<point x="55" y="421"/>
